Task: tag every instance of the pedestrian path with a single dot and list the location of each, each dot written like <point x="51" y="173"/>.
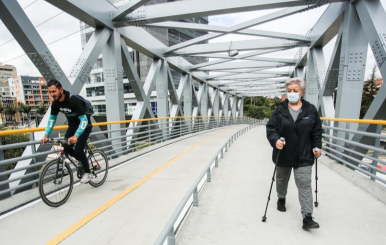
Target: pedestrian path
<point x="141" y="197"/>
<point x="232" y="205"/>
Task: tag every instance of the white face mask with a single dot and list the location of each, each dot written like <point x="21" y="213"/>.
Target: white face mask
<point x="293" y="97"/>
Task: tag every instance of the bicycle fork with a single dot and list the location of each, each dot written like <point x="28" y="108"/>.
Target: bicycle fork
<point x="61" y="169"/>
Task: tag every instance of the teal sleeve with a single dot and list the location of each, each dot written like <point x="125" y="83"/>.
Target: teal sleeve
<point x="51" y="124"/>
<point x="82" y="125"/>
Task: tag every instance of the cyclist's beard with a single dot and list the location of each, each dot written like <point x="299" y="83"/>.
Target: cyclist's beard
<point x="59" y="96"/>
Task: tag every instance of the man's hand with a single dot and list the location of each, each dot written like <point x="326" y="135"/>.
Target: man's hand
<point x="73" y="139"/>
<point x="317" y="152"/>
<point x="45" y="139"/>
<point x="280" y="144"/>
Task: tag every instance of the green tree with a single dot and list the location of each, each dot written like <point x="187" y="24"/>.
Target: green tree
<point x="16" y="152"/>
<point x="26" y="110"/>
<point x="370" y="90"/>
<point x="2" y="110"/>
<point x="256" y="112"/>
<point x="42" y="109"/>
<point x="260" y="107"/>
<point x="11" y="111"/>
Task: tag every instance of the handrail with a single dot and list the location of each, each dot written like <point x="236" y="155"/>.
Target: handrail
<point x="381" y="122"/>
<point x="31" y="130"/>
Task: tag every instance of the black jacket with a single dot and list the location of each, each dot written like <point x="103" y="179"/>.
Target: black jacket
<point x="301" y="136"/>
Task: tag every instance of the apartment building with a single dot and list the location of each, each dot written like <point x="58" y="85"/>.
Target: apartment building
<point x="31" y="91"/>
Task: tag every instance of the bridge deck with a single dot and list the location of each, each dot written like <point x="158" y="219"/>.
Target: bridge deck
<point x="231" y="206"/>
<point x="138" y="217"/>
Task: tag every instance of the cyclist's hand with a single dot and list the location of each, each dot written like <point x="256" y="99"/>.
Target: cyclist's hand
<point x="73" y="139"/>
<point x="44" y="140"/>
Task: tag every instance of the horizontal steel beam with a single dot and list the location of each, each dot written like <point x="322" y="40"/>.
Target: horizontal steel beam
<point x="196" y="8"/>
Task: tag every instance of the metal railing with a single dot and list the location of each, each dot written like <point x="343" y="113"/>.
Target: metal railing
<point x="130" y="139"/>
<point x="340" y="143"/>
<point x="191" y="197"/>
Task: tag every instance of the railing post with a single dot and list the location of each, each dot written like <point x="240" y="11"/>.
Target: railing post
<point x="216" y="162"/>
<point x="346" y="137"/>
<point x="148" y="132"/>
<point x="3" y="178"/>
<point x="195" y="197"/>
<point x="377" y="143"/>
<point x="208" y="176"/>
<point x="222" y="153"/>
<point x="171" y="238"/>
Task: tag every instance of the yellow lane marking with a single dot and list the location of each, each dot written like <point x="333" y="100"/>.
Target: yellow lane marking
<point x="59" y="238"/>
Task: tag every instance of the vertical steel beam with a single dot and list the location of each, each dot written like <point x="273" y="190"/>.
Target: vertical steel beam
<point x="188" y="100"/>
<point x="225" y="104"/>
<point x="312" y="89"/>
<point x="112" y="72"/>
<point x="203" y="95"/>
<point x="162" y="98"/>
<point x="216" y="104"/>
<point x="351" y="68"/>
<point x="373" y="19"/>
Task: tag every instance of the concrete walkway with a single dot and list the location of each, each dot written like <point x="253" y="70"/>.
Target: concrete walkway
<point x="232" y="205"/>
<point x="137" y="218"/>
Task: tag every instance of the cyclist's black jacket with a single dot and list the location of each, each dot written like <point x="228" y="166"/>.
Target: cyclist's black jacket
<point x="300" y="136"/>
<point x="72" y="108"/>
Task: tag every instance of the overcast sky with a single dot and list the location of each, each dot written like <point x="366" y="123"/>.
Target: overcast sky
<point x="67" y="49"/>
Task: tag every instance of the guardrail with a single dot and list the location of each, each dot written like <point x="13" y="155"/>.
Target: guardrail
<point x="130" y="139"/>
<point x="191" y="197"/>
<point x="339" y="145"/>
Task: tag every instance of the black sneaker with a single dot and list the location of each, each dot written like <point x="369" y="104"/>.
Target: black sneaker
<point x="281" y="205"/>
<point x="308" y="223"/>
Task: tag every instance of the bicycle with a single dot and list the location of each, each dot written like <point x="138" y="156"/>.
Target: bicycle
<point x="57" y="177"/>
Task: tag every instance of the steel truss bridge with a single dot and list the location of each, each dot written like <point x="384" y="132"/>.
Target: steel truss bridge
<point x="211" y="94"/>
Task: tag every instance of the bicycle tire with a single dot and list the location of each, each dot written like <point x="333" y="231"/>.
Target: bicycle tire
<point x="99" y="165"/>
<point x="49" y="191"/>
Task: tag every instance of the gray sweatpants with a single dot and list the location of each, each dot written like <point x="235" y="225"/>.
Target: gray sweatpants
<point x="303" y="182"/>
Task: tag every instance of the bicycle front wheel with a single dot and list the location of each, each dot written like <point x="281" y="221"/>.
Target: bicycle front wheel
<point x="56" y="183"/>
<point x="99" y="167"/>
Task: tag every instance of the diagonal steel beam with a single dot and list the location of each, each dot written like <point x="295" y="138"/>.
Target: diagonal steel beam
<point x="238" y="45"/>
<point x="197" y="8"/>
<point x="228" y="30"/>
<point x="250" y="56"/>
<point x="253" y="76"/>
<point x="241" y="26"/>
<point x="131" y="73"/>
<point x="95" y="13"/>
<point x="244" y="65"/>
<point x="128" y="8"/>
<point x="325" y="29"/>
<point x="30" y="41"/>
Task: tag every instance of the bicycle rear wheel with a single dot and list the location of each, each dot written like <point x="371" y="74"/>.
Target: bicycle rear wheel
<point x="55" y="185"/>
<point x="99" y="166"/>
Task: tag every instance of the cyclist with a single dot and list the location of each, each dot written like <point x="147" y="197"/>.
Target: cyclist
<point x="79" y="123"/>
